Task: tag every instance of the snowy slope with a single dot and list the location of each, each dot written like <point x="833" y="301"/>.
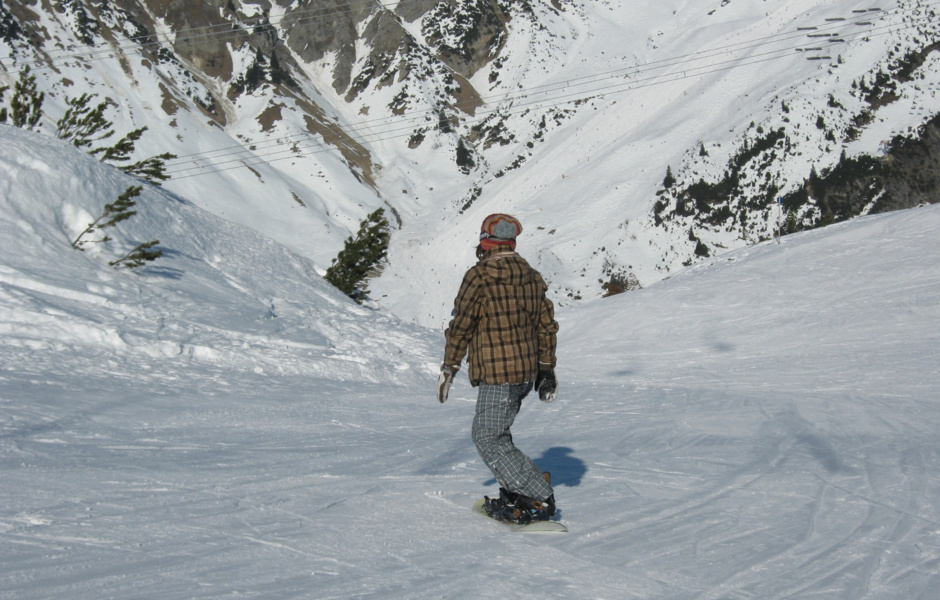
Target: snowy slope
<point x="215" y="297"/>
<point x="221" y="423"/>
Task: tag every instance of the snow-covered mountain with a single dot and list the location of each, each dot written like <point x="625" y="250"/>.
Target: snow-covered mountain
<point x="630" y="138"/>
<point x="222" y="423"/>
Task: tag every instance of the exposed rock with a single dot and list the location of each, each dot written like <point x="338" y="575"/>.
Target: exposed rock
<point x="466" y="34"/>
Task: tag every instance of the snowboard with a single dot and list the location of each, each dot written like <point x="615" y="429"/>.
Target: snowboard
<point x="533" y="527"/>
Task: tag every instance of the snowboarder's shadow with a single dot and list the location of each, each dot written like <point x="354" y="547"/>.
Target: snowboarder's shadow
<point x="566" y="469"/>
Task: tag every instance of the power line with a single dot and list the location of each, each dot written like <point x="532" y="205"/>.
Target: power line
<point x="386" y="128"/>
<point x="258" y="160"/>
<point x="567" y="97"/>
<point x="623" y="71"/>
<point x="424" y="114"/>
<point x="290" y="153"/>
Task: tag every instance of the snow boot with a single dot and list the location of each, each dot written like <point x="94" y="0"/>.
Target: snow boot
<point x="530" y="509"/>
<point x="516" y="508"/>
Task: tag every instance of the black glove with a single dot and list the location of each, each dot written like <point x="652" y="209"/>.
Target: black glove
<point x="443" y="382"/>
<point x="546" y="385"/>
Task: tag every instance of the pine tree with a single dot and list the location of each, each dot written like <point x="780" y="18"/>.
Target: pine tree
<point x="26" y="105"/>
<point x="122" y="150"/>
<point x="3" y="109"/>
<point x="152" y="169"/>
<point x="85" y="126"/>
<point x="138" y="256"/>
<point x="119" y="210"/>
<point x="362" y="257"/>
<point x="82" y="125"/>
<point x="792" y="225"/>
<point x="669" y="180"/>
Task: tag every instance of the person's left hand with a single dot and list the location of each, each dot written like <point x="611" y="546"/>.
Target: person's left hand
<point x="546" y="385"/>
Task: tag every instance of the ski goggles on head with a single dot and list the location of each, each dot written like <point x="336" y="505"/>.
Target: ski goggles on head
<point x="486" y="238"/>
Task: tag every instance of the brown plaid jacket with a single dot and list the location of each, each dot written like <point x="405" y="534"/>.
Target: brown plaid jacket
<point x="504" y="320"/>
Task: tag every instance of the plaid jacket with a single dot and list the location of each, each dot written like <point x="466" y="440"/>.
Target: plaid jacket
<point x="504" y="320"/>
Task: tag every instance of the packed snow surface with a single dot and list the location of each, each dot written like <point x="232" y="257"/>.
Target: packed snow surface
<point x="222" y="423"/>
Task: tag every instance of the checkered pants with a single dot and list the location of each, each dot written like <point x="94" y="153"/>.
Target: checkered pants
<point x="497" y="407"/>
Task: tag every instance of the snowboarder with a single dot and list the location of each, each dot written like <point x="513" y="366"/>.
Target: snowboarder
<point x="503" y="320"/>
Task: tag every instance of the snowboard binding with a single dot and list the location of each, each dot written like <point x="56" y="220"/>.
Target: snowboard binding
<point x="516" y="508"/>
